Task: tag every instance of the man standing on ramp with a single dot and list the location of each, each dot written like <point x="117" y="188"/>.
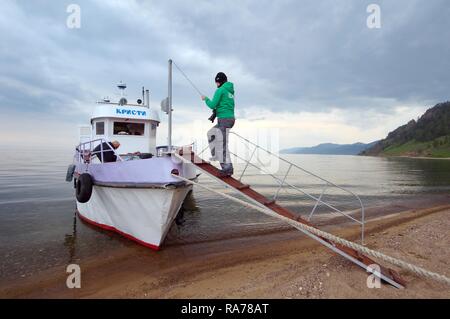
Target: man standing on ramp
<point x="222" y="105"/>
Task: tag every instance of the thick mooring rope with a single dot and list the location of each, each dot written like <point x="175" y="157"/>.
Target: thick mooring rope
<point x="394" y="261"/>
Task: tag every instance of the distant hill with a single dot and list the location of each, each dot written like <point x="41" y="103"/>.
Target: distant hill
<point x="330" y="149"/>
<point x="429" y="136"/>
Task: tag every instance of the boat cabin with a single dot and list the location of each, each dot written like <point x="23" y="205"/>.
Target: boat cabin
<point x="133" y="125"/>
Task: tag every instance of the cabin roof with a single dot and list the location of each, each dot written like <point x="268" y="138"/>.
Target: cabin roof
<point x="125" y="112"/>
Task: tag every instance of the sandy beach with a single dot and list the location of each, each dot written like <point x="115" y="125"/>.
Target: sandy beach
<point x="279" y="265"/>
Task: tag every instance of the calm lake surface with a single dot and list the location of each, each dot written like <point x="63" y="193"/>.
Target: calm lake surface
<point x="39" y="229"/>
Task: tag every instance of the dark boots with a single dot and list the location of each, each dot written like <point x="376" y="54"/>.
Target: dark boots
<point x="227" y="169"/>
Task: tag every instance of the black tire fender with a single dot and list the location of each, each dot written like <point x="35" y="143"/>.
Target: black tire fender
<point x="70" y="171"/>
<point x="84" y="188"/>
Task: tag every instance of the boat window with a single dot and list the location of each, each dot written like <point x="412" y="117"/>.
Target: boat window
<point x="100" y="128"/>
<point x="126" y="128"/>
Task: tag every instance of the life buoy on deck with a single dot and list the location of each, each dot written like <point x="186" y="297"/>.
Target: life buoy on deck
<point x="84" y="188"/>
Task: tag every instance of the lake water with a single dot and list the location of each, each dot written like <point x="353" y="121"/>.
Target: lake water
<point x="39" y="229"/>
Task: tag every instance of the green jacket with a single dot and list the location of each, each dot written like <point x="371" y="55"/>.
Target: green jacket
<point x="223" y="101"/>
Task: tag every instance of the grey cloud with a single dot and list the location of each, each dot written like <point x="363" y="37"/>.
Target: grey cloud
<point x="283" y="55"/>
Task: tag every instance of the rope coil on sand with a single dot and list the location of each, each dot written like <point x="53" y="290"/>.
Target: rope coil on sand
<point x="394" y="261"/>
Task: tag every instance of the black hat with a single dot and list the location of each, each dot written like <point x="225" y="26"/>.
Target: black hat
<point x="221" y="78"/>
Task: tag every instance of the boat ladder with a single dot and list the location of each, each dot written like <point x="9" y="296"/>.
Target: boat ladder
<point x="187" y="155"/>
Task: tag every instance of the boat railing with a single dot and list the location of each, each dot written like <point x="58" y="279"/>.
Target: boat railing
<point x="84" y="152"/>
<point x="163" y="150"/>
<point x="284" y="184"/>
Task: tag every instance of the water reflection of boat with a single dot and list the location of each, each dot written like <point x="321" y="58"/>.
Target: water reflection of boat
<point x="70" y="240"/>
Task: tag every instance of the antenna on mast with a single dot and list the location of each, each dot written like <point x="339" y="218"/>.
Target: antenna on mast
<point x="122" y="86"/>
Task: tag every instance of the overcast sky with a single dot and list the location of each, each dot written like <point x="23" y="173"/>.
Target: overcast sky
<point x="310" y="70"/>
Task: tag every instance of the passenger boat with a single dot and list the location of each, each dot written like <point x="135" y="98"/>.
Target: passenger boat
<point x="137" y="195"/>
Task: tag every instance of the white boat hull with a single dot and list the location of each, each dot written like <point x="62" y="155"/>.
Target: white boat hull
<point x="141" y="214"/>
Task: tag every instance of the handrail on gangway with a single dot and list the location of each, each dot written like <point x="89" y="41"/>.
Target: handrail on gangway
<point x="283" y="182"/>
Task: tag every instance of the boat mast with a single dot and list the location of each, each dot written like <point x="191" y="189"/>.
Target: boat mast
<point x="147" y="98"/>
<point x="169" y="100"/>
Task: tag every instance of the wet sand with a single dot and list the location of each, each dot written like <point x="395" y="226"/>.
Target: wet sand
<point x="284" y="264"/>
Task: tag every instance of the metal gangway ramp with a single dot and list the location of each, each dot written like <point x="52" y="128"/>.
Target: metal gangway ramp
<point x="187" y="155"/>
